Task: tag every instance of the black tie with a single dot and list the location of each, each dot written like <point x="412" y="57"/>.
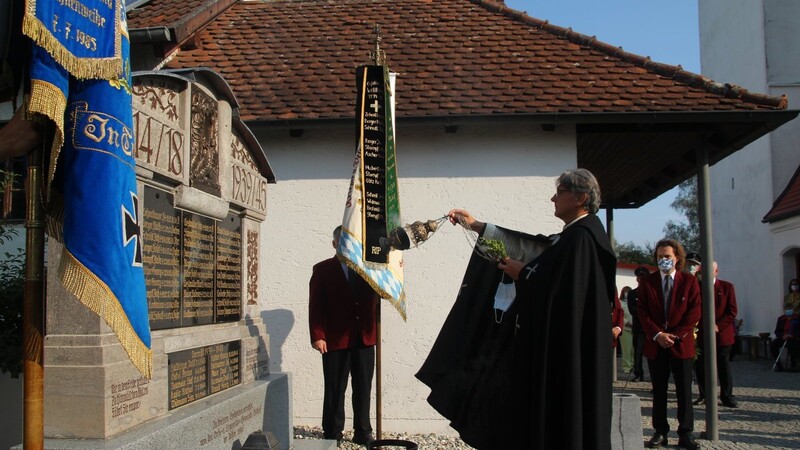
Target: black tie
<point x="351" y="278"/>
<point x="667" y="294"/>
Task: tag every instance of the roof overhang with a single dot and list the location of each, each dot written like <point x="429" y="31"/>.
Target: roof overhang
<point x="635" y="156"/>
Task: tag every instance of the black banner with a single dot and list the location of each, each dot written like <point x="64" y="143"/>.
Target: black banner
<point x="371" y="116"/>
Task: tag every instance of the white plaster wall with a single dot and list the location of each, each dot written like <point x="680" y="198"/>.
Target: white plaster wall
<point x="783" y="47"/>
<point x="502" y="174"/>
<point x="741" y="193"/>
<point x="731" y="32"/>
<point x="786" y="139"/>
<point x="782" y="20"/>
<point x="786" y="246"/>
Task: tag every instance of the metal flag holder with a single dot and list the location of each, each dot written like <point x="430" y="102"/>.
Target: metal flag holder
<point x="780" y="353"/>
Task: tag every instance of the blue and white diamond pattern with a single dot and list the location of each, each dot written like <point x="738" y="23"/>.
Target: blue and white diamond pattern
<point x="387" y="283"/>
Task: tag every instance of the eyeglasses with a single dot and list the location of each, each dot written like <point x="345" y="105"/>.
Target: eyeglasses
<point x="561" y="191"/>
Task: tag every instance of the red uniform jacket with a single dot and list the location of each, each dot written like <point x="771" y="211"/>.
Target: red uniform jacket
<point x="684" y="312"/>
<point x="336" y="313"/>
<point x="724" y="313"/>
<point x="617" y="317"/>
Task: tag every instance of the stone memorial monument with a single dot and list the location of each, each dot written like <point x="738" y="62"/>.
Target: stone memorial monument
<point x="202" y="195"/>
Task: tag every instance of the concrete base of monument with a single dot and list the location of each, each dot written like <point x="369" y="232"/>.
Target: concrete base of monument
<point x="222" y="421"/>
<point x="314" y="444"/>
<point x="626" y="423"/>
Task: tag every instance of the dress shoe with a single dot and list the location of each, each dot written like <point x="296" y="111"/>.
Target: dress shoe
<point x="657" y="440"/>
<point x="333" y="436"/>
<point x="687" y="441"/>
<point x="700" y="400"/>
<point x="730" y="402"/>
<point x="363" y="439"/>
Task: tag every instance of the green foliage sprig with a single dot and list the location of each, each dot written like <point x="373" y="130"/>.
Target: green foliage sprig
<point x="493" y="248"/>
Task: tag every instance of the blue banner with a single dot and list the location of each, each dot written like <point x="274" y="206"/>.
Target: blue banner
<point x="81" y="35"/>
<point x="94" y="199"/>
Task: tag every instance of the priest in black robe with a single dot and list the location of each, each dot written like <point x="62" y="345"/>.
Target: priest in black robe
<point x="537" y="374"/>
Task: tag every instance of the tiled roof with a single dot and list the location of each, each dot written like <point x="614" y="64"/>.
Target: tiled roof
<point x="788" y="203"/>
<point x="295" y="59"/>
<point x="183" y="17"/>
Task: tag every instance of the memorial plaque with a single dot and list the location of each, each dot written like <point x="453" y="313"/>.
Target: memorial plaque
<point x="199" y="372"/>
<point x="161" y="251"/>
<point x="224" y="360"/>
<point x="188" y="376"/>
<point x="198" y="270"/>
<point x="229" y="269"/>
<point x="157" y="125"/>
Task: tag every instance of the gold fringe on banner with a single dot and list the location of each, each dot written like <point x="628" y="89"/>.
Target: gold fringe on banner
<point x="83" y="68"/>
<point x="93" y="293"/>
<point x="48" y="100"/>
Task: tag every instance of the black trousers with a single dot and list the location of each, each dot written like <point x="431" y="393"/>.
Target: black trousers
<point x="681" y="370"/>
<point x="638" y="349"/>
<point x="723" y="373"/>
<point x="359" y="364"/>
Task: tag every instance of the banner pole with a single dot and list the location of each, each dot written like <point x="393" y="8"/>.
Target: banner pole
<point x="378" y="383"/>
<point x="33" y="307"/>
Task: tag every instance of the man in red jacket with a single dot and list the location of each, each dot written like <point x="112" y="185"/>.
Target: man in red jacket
<point x="669" y="308"/>
<point x="342" y="320"/>
<point x="724" y="318"/>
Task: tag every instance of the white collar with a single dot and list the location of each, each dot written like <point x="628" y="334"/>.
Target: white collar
<point x="576" y="219"/>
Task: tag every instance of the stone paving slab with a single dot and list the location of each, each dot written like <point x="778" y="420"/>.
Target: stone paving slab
<point x="768" y="416"/>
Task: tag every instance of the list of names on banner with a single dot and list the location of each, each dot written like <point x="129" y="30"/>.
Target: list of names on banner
<point x="373" y="116"/>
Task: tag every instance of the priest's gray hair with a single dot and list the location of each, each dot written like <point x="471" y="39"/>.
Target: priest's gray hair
<point x="581" y="181"/>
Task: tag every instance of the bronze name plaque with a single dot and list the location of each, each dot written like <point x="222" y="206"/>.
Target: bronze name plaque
<point x="161" y="251"/>
<point x="198" y="269"/>
<point x="228" y="276"/>
<point x="199" y="372"/>
<point x="192" y="265"/>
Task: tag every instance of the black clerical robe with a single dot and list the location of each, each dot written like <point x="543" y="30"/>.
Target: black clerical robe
<point x="540" y="375"/>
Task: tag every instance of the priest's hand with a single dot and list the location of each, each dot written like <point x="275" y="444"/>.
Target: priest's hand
<point x="511" y="266"/>
<point x="320" y="346"/>
<point x="18" y="137"/>
<point x="462" y="216"/>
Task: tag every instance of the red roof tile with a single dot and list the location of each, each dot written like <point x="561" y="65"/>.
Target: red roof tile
<point x="788" y="203"/>
<point x="296" y="59"/>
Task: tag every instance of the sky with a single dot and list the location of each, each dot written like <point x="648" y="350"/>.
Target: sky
<point x="667" y="32"/>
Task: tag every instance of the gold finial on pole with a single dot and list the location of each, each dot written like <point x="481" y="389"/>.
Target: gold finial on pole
<point x="378" y="55"/>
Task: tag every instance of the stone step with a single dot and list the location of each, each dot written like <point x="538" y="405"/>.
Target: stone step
<point x="314" y="444"/>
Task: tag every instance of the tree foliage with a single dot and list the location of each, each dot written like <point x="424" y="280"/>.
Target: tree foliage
<point x="12" y="267"/>
<point x="688" y="232"/>
<point x="634" y="254"/>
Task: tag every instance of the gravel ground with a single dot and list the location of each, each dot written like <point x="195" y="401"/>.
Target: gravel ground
<point x="423" y="441"/>
<point x="768" y="417"/>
